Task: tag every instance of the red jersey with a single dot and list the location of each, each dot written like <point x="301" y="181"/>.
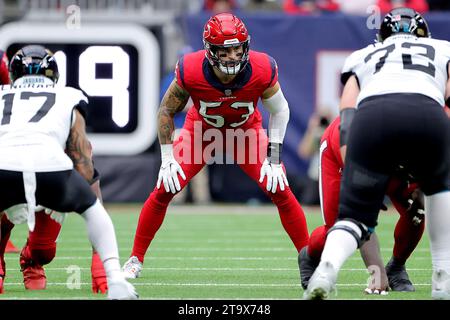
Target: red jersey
<point x="399" y="188"/>
<point x="332" y="136"/>
<point x="4" y="74"/>
<point x="230" y="105"/>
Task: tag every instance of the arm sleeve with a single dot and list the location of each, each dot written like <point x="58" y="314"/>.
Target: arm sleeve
<point x="278" y="107"/>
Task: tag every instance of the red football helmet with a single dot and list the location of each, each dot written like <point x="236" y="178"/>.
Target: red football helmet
<point x="225" y="30"/>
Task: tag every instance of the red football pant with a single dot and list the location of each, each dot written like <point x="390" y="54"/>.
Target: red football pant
<point x="330" y="174"/>
<point x="407" y="235"/>
<point x="5" y="232"/>
<point x="155" y="207"/>
<point x="41" y="243"/>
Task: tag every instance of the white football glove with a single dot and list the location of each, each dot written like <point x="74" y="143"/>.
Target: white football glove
<point x="57" y="216"/>
<point x="275" y="176"/>
<point x="170" y="168"/>
<point x="18" y="214"/>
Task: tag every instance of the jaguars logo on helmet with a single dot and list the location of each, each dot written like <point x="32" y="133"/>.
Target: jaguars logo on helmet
<point x="403" y="20"/>
<point x="33" y="60"/>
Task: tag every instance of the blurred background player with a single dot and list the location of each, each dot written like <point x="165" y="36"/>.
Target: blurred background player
<point x="308" y="149"/>
<point x="225" y="87"/>
<point x="45" y="180"/>
<point x="409" y="229"/>
<point x="388" y="5"/>
<point x="398" y="122"/>
<point x="309" y="6"/>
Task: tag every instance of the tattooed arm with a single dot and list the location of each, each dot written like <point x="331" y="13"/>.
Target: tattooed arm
<point x="174" y="101"/>
<point x="79" y="148"/>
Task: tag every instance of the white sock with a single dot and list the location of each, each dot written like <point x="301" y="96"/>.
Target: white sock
<point x="437" y="219"/>
<point x="340" y="245"/>
<point x="103" y="238"/>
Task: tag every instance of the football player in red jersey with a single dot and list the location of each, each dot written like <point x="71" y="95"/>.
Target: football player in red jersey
<point x="225" y="82"/>
<point x="40" y="248"/>
<point x="409" y="229"/>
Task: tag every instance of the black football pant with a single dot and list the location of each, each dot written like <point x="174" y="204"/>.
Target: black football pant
<point x="388" y="131"/>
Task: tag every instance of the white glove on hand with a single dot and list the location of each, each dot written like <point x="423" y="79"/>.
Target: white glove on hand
<point x="57" y="216"/>
<point x="170" y="168"/>
<point x="275" y="176"/>
<point x="18" y="214"/>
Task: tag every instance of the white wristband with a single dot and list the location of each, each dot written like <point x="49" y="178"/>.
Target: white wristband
<point x="166" y="151"/>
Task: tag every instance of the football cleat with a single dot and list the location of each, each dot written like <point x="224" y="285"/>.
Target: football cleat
<point x="121" y="289"/>
<point x="99" y="282"/>
<point x="306" y="265"/>
<point x="132" y="268"/>
<point x="11" y="248"/>
<point x="440" y="286"/>
<point x="34" y="277"/>
<point x="398" y="277"/>
<point x="322" y="282"/>
<point x="33" y="274"/>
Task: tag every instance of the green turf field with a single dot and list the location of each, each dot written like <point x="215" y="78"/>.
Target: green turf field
<point x="217" y="252"/>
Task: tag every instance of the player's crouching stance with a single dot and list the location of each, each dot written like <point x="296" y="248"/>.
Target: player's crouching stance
<point x="40" y="248"/>
<point x="405" y="197"/>
<point x="39" y="121"/>
<point x="397" y="122"/>
<point x="225" y="82"/>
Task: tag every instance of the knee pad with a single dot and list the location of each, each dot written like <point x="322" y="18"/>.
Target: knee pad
<point x="365" y="231"/>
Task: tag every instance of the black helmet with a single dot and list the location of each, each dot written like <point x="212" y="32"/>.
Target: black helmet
<point x="403" y="20"/>
<point x="33" y="60"/>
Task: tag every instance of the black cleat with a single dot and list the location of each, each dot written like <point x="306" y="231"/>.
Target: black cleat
<point x="398" y="277"/>
<point x="307" y="266"/>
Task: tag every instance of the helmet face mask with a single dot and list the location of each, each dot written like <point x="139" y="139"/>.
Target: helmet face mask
<point x="403" y="21"/>
<point x="222" y="32"/>
<point x="230" y="67"/>
<point x="33" y="60"/>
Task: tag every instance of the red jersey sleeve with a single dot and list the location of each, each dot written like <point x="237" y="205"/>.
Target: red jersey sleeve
<point x="274" y="72"/>
<point x="4" y="74"/>
<point x="179" y="73"/>
<point x="332" y="135"/>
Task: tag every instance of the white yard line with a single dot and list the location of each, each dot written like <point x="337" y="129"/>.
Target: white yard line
<point x="208" y="284"/>
<point x="220" y="269"/>
<point x="218" y="249"/>
<point x="15" y="257"/>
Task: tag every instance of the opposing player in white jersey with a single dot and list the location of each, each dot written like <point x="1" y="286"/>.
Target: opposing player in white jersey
<point x="398" y="86"/>
<point x="38" y="122"/>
